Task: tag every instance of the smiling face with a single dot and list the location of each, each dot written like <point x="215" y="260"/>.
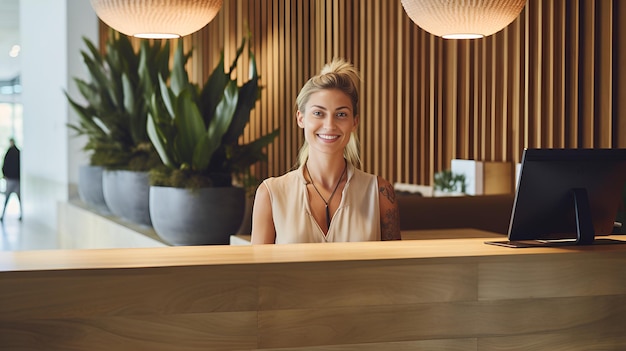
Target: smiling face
<point x="328" y="121"/>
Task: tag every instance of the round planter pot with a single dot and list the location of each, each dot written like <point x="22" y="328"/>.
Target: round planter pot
<point x="90" y="187"/>
<point x="127" y="194"/>
<point x="207" y="216"/>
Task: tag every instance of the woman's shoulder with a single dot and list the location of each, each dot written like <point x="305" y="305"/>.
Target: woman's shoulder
<point x="361" y="174"/>
<point x="282" y="186"/>
<point x="282" y="180"/>
<point x="282" y="177"/>
<point x="380" y="181"/>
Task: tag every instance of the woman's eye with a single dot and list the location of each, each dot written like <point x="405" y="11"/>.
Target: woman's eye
<point x="342" y="115"/>
<point x="317" y="113"/>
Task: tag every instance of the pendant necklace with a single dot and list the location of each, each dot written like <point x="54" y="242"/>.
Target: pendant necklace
<point x="331" y="194"/>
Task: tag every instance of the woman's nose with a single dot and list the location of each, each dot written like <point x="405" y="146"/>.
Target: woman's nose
<point x="329" y="122"/>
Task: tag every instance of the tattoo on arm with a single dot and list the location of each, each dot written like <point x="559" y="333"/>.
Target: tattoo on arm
<point x="389" y="225"/>
<point x="388" y="192"/>
<point x="390" y="218"/>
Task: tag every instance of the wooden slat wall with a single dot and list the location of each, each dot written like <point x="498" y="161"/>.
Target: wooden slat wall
<point x="550" y="79"/>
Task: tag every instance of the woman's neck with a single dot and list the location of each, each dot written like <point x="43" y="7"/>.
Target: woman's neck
<point x="326" y="171"/>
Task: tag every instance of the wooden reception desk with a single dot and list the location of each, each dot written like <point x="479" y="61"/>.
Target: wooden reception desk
<point x="449" y="294"/>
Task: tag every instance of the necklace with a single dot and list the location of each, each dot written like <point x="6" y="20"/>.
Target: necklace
<point x="331" y="194"/>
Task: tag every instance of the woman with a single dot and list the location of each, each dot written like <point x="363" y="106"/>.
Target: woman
<point x="327" y="198"/>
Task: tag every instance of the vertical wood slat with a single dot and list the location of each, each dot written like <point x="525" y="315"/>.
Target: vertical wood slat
<point x="503" y="98"/>
<point x="536" y="76"/>
<point x="604" y="38"/>
<point x="428" y="152"/>
<point x="405" y="125"/>
<point x="390" y="152"/>
<point x="619" y="85"/>
<point x="572" y="63"/>
<point x="559" y="73"/>
<point x="550" y="79"/>
<point x="547" y="69"/>
<point x="367" y="128"/>
<point x="587" y="73"/>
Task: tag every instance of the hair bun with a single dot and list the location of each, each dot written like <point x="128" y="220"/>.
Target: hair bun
<point x="341" y="67"/>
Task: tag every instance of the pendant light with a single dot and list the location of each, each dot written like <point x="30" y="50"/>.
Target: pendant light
<point x="160" y="19"/>
<point x="463" y="19"/>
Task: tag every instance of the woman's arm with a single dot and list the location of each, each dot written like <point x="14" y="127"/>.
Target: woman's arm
<point x="389" y="214"/>
<point x="263" y="231"/>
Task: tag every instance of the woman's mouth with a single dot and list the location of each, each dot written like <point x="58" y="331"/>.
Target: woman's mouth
<point x="328" y="137"/>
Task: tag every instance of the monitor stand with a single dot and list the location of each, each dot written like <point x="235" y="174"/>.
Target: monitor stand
<point x="585" y="234"/>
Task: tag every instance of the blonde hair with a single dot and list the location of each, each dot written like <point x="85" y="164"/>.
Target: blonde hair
<point x="341" y="75"/>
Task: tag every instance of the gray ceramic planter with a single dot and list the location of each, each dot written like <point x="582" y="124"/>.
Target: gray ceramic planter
<point x="90" y="188"/>
<point x="207" y="216"/>
<point x="127" y="194"/>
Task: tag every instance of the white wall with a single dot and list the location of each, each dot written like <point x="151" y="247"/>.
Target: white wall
<point x="83" y="22"/>
<point x="50" y="32"/>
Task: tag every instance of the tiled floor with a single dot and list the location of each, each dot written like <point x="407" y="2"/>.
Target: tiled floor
<point x="22" y="235"/>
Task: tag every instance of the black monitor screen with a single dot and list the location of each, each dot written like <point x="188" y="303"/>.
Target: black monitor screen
<point x="566" y="196"/>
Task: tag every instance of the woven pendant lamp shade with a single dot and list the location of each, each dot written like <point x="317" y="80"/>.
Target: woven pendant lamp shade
<point x="156" y="18"/>
<point x="461" y="19"/>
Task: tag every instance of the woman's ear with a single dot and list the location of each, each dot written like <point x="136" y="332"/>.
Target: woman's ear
<point x="300" y="119"/>
<point x="356" y="123"/>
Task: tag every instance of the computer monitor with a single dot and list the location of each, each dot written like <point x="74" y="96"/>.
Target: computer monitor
<point x="566" y="197"/>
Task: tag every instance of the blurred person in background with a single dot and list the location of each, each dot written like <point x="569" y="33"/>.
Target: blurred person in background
<point x="11" y="171"/>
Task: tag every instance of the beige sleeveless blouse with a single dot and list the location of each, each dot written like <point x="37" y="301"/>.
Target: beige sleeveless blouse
<point x="356" y="219"/>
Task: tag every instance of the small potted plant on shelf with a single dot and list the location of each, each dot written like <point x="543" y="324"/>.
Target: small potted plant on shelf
<point x="195" y="130"/>
<point x="114" y="118"/>
<point x="448" y="183"/>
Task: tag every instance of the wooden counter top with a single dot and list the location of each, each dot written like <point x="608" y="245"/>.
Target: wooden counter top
<point x="263" y="254"/>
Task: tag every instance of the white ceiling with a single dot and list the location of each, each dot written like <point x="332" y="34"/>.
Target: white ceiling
<point x="9" y="36"/>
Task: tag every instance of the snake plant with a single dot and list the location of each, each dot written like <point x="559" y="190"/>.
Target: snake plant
<point x="196" y="130"/>
<point x="114" y="114"/>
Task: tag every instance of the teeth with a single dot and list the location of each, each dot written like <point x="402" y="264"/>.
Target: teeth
<point x="328" y="137"/>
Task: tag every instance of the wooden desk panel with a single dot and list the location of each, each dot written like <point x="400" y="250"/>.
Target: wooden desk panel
<point x="452" y="294"/>
<point x="340" y="284"/>
<point x="568" y="278"/>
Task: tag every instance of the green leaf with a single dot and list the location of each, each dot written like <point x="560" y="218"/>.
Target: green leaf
<point x="213" y="91"/>
<point x="224" y="112"/>
<point x="95" y="53"/>
<point x="136" y="112"/>
<point x="100" y="81"/>
<point x="179" y="79"/>
<point x="245" y="156"/>
<point x="84" y="113"/>
<point x="218" y="126"/>
<point x="167" y="96"/>
<point x="89" y="92"/>
<point x="128" y="94"/>
<point x="237" y="55"/>
<point x="128" y="56"/>
<point x="158" y="141"/>
<point x="249" y="94"/>
<point x="191" y="128"/>
<point x="161" y="58"/>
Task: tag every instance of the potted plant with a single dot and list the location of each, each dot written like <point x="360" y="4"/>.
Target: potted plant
<point x="448" y="183"/>
<point x="114" y="121"/>
<point x="195" y="130"/>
